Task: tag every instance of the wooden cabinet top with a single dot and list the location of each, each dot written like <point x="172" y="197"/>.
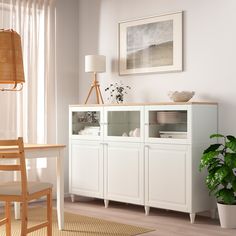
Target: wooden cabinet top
<point x="145" y="104"/>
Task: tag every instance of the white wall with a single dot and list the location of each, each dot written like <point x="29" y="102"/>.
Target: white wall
<point x="209" y="51"/>
<point x="89" y="26"/>
<point x="66" y="69"/>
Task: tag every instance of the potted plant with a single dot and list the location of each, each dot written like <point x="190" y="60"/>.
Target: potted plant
<point x="117" y="92"/>
<point x="220" y="161"/>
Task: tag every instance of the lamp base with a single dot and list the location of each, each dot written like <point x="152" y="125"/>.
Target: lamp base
<point x="95" y="85"/>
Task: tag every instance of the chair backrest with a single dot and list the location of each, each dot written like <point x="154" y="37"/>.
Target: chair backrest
<point x="14" y="150"/>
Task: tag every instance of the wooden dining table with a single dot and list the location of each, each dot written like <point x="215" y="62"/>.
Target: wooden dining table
<point x="33" y="151"/>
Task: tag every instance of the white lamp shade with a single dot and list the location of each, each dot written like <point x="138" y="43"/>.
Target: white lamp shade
<point x="95" y="63"/>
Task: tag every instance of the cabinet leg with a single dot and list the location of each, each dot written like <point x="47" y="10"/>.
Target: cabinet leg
<point x="72" y="196"/>
<point x="147" y="210"/>
<point x="192" y="217"/>
<point x="213" y="213"/>
<point x="106" y="203"/>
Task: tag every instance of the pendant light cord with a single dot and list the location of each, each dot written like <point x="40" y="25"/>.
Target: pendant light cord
<point x="2" y="14"/>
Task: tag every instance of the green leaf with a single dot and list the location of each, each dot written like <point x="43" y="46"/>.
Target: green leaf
<point x="214" y="166"/>
<point x="207" y="158"/>
<point x="221" y="173"/>
<point x="230" y="137"/>
<point x="227" y="196"/>
<point x="231" y="144"/>
<point x="217" y="136"/>
<point x="212" y="183"/>
<point x="230" y="160"/>
<point x="213" y="147"/>
<point x="234" y="185"/>
<point x="228" y="180"/>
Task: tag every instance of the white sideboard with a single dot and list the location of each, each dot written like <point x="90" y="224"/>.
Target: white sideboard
<point x="145" y="154"/>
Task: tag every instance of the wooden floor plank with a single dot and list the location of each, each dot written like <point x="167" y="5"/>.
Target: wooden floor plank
<point x="166" y="223"/>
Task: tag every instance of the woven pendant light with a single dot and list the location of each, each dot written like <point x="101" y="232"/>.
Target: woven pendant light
<point x="11" y="61"/>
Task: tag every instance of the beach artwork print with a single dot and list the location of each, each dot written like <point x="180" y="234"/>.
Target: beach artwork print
<point x="151" y="45"/>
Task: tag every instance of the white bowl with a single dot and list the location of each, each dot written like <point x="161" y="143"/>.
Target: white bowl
<point x="183" y="96"/>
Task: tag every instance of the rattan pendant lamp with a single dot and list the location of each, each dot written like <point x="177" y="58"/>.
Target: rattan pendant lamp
<point x="11" y="61"/>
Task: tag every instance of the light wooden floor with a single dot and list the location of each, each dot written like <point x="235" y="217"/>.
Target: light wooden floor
<point x="166" y="223"/>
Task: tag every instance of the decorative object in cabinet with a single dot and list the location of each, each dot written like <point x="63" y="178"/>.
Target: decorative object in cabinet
<point x="122" y="122"/>
<point x="89" y="117"/>
<point x="86" y="123"/>
<point x="168" y="123"/>
<point x="171" y="134"/>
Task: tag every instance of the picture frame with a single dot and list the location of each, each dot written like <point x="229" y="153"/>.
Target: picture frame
<point x="151" y="45"/>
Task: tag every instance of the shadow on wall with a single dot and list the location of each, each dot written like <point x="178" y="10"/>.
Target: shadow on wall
<point x="89" y="26"/>
<point x="226" y="117"/>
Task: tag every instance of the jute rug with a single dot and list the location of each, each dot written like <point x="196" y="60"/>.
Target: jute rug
<point x="76" y="225"/>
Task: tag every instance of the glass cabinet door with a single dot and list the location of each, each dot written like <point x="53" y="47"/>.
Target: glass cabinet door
<point x="166" y="124"/>
<point x="86" y="123"/>
<point x="123" y="124"/>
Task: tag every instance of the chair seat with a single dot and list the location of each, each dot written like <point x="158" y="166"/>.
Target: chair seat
<point x="14" y="188"/>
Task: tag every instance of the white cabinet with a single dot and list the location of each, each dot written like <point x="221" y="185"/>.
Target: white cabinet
<point x="107" y="142"/>
<point x="175" y="137"/>
<point x="124" y="172"/>
<point x="146" y="154"/>
<point x="86" y="168"/>
<point x="167" y="176"/>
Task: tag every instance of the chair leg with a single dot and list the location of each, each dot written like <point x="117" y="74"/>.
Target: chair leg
<point x="8" y="216"/>
<point x="49" y="213"/>
<point x="24" y="218"/>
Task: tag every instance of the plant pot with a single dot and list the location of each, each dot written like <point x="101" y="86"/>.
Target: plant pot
<point x="227" y="215"/>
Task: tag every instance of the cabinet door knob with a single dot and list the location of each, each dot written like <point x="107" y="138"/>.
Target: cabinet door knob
<point x="103" y="143"/>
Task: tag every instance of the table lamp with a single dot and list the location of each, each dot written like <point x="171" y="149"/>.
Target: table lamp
<point x="11" y="62"/>
<point x="95" y="64"/>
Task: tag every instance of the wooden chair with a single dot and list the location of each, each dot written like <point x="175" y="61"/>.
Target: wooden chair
<point x="22" y="191"/>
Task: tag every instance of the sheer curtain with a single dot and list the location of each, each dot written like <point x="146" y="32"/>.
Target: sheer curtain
<point x="31" y="113"/>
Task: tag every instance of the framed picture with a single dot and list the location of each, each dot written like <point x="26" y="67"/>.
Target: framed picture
<point x="151" y="44"/>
